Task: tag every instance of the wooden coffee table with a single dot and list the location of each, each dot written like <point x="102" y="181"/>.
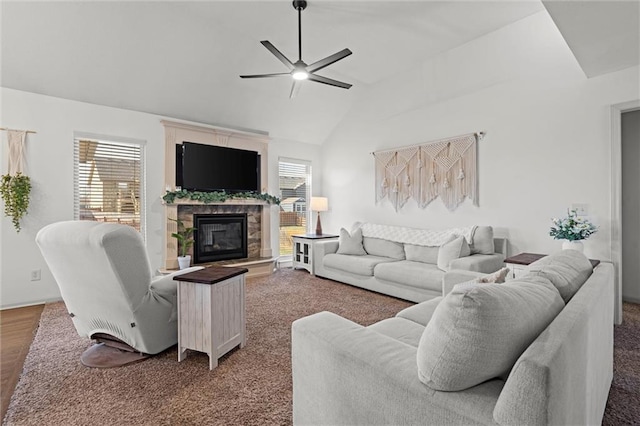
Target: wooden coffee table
<point x="211" y="311"/>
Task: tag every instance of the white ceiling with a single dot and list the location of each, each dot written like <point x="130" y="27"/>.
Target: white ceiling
<point x="183" y="59"/>
<point x="604" y="36"/>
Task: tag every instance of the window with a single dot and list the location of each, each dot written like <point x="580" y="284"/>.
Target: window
<point x="294" y="178"/>
<point x="109" y="184"/>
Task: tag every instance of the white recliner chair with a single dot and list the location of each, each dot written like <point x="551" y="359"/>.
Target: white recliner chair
<point x="107" y="284"/>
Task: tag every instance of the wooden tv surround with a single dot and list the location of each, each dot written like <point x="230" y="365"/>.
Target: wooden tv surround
<point x="176" y="132"/>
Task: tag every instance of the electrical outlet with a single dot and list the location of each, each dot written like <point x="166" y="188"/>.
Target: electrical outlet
<point x="36" y="275"/>
<point x="581" y="209"/>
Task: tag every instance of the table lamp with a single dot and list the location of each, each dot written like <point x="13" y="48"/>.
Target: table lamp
<point x="319" y="204"/>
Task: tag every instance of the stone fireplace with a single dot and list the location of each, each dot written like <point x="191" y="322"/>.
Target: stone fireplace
<point x="258" y="241"/>
<point x="253" y="214"/>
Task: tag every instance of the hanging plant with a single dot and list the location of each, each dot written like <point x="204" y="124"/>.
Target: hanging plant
<point x="15" y="192"/>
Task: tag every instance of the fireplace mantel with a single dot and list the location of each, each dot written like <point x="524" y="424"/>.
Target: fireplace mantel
<point x="177" y="132"/>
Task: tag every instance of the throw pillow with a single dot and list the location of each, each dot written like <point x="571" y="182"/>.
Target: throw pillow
<point x="497" y="277"/>
<point x="454" y="249"/>
<point x="482" y="240"/>
<point x="567" y="270"/>
<point x="479" y="334"/>
<point x="351" y="243"/>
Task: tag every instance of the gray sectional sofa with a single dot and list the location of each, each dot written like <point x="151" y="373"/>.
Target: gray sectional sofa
<point x="533" y="351"/>
<point x="405" y="270"/>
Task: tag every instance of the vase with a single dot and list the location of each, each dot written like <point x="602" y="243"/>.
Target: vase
<point x="184" y="261"/>
<point x="573" y="245"/>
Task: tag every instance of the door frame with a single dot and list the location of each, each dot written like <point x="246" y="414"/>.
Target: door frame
<point x="616" y="198"/>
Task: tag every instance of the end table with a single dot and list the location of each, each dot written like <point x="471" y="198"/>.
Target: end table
<point x="211" y="311"/>
<point x="303" y="249"/>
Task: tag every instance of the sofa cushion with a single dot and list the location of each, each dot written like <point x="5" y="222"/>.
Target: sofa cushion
<point x="482" y="241"/>
<point x="479" y="334"/>
<point x="401" y="329"/>
<point x="567" y="270"/>
<point x="422" y="254"/>
<point x="420" y="313"/>
<point x="454" y="249"/>
<point x="383" y="248"/>
<point x="360" y="265"/>
<point x="351" y="243"/>
<point x="414" y="274"/>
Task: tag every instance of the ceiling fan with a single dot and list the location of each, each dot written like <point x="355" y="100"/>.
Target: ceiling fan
<point x="299" y="70"/>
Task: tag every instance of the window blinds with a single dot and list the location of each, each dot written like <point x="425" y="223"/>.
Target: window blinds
<point x="109" y="182"/>
<point x="294" y="177"/>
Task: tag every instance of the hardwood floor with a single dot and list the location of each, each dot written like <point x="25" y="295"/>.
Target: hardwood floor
<point x="17" y="328"/>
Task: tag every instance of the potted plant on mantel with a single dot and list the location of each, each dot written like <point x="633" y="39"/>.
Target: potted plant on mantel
<point x="183" y="235"/>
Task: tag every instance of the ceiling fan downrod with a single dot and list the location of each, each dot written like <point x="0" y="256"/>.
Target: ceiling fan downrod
<point x="299" y="5"/>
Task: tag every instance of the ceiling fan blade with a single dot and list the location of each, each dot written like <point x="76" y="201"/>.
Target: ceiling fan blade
<point x="278" y="74"/>
<point x="329" y="60"/>
<point x="277" y="54"/>
<point x="295" y="88"/>
<point x="329" y="81"/>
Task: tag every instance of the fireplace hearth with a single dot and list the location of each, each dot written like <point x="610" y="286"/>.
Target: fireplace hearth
<point x="219" y="237"/>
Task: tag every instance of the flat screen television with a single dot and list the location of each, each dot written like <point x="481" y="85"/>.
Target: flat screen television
<point x="209" y="168"/>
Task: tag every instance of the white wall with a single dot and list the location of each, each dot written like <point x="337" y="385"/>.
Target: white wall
<point x="547" y="143"/>
<point x="49" y="159"/>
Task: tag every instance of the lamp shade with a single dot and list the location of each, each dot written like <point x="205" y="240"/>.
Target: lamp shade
<point x="319" y="204"/>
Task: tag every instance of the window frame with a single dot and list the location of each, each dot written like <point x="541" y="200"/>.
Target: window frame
<point x="141" y="144"/>
<point x="309" y="181"/>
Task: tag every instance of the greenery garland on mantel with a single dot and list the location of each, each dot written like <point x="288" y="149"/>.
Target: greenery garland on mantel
<point x="217" y="197"/>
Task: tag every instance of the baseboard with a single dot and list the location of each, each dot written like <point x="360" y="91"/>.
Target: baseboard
<point x="24" y="305"/>
<point x="284" y="263"/>
<point x="631" y="300"/>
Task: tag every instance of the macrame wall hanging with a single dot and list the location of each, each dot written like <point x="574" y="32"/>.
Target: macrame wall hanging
<point x="445" y="168"/>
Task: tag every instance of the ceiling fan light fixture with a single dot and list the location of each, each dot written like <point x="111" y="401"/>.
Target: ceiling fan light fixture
<point x="300" y="75"/>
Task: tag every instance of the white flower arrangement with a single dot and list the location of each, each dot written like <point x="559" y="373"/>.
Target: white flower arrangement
<point x="572" y="227"/>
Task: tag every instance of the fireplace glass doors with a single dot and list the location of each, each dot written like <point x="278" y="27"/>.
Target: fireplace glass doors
<point x="219" y="237"/>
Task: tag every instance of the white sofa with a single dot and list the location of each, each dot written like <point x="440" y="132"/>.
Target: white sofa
<point x="386" y="373"/>
<point x="399" y="261"/>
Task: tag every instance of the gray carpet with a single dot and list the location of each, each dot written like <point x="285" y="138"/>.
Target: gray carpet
<point x="623" y="406"/>
<point x="251" y="386"/>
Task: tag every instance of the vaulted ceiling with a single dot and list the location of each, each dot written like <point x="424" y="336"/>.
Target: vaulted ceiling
<point x="183" y="59"/>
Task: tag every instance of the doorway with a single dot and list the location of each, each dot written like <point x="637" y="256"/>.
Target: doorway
<point x="618" y="227"/>
<point x="630" y="151"/>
